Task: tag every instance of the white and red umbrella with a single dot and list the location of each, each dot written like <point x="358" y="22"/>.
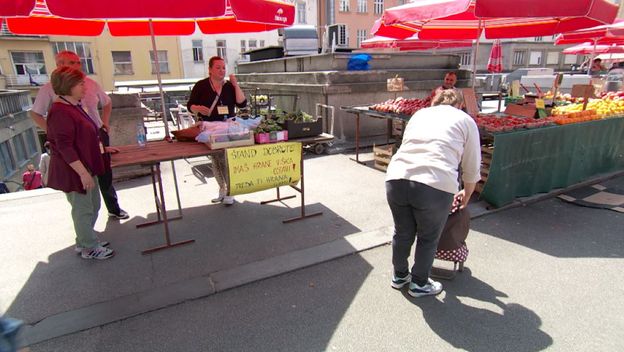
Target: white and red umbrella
<point x="589" y="48"/>
<point x="412" y="43"/>
<point x="495" y="62"/>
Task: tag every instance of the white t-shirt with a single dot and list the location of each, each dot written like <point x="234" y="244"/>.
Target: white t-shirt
<point x="93" y="95"/>
<point x="436" y="141"/>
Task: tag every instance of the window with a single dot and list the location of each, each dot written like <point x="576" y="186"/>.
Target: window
<point x="253" y="44"/>
<point x="81" y="49"/>
<point x="569" y="59"/>
<point x="28" y="63"/>
<point x="262" y="43"/>
<point x="361" y="36"/>
<point x="342" y="35"/>
<point x="243" y="46"/>
<point x="552" y="58"/>
<point x="301" y="13"/>
<point x="539" y="39"/>
<point x="30" y="142"/>
<point x="162" y="61"/>
<point x="198" y="51"/>
<point x="362" y="5"/>
<point x="378" y="6"/>
<point x="518" y="57"/>
<point x="6" y="159"/>
<point x="222" y="50"/>
<point x="344" y="5"/>
<point x="465" y="58"/>
<point x="122" y="63"/>
<point x="20" y="148"/>
<point x="401" y="2"/>
<point x="535" y="58"/>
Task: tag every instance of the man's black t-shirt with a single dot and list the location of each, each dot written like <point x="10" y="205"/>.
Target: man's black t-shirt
<point x="203" y="94"/>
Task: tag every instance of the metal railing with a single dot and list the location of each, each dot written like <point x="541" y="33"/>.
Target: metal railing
<point x="26" y="80"/>
<point x="12" y="102"/>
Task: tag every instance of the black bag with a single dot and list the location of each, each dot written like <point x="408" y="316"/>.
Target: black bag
<point x="452" y="245"/>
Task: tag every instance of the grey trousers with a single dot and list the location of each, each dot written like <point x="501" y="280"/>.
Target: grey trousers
<point x="84" y="212"/>
<point x="218" y="170"/>
<point x="418" y="211"/>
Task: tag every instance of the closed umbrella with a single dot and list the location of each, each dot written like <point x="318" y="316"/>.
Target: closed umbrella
<point x="495" y="62"/>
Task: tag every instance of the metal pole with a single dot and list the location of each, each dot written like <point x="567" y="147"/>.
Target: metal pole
<point x="591" y="60"/>
<point x="476" y="53"/>
<point x="160" y="88"/>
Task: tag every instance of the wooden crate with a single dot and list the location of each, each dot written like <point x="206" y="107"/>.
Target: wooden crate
<point x="382" y="155"/>
<point x="398" y="126"/>
<point x="487" y="152"/>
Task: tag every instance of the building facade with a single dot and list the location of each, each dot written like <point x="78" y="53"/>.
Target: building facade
<point x="27" y="61"/>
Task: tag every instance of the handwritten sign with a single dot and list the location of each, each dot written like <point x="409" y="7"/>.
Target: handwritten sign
<point x="265" y="166"/>
<point x="470" y="100"/>
<point x="539" y="103"/>
<point x="515" y="88"/>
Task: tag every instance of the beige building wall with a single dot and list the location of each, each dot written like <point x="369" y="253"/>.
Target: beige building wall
<point x="101" y="49"/>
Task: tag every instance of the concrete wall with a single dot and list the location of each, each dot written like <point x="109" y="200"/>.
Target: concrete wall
<point x="126" y="114"/>
<point x="326" y="81"/>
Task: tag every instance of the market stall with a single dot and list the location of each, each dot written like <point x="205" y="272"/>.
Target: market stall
<point x="540" y="149"/>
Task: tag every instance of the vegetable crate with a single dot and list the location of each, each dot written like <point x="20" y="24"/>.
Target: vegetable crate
<point x="487" y="151"/>
<point x="382" y="155"/>
<point x="303" y="129"/>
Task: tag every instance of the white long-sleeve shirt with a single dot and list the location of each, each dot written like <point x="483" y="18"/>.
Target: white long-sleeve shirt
<point x="436" y="141"/>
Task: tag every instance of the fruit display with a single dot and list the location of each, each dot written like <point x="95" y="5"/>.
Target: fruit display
<point x="508" y="123"/>
<point x="403" y="106"/>
<point x="608" y="106"/>
<point x="574" y="117"/>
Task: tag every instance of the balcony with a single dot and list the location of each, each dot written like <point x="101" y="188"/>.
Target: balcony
<point x="22" y="81"/>
<point x="13" y="102"/>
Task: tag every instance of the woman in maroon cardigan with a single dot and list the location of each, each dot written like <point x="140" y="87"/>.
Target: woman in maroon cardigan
<point x="76" y="159"/>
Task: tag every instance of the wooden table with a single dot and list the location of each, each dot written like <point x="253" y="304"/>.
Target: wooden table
<point x="152" y="155"/>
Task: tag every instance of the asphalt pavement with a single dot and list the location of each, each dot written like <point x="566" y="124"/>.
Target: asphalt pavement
<point x="546" y="276"/>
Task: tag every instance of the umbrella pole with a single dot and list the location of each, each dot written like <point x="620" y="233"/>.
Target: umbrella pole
<point x="591" y="59"/>
<point x="160" y="88"/>
<point x="474" y="59"/>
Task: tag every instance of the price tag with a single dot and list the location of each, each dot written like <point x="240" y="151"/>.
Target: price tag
<point x="539" y="103"/>
<point x="515" y="88"/>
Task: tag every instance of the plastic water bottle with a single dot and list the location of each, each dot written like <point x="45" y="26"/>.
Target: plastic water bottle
<point x="140" y="135"/>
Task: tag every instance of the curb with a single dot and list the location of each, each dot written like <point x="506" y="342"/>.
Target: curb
<point x="129" y="306"/>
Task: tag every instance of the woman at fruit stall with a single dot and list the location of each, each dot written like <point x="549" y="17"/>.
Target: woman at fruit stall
<point x="214" y="99"/>
<point x="422" y="185"/>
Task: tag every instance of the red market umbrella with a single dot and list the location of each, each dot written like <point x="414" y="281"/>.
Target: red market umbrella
<point x="412" y="43"/>
<point x="605" y="34"/>
<point x="466" y="19"/>
<point x="56" y="17"/>
<point x="495" y="62"/>
<point x="145" y="17"/>
<point x="589" y="48"/>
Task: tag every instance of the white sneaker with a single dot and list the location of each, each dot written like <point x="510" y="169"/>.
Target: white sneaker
<point x="79" y="249"/>
<point x="429" y="289"/>
<point x="228" y="200"/>
<point x="97" y="253"/>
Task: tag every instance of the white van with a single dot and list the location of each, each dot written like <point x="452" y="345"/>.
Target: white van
<point x="300" y="40"/>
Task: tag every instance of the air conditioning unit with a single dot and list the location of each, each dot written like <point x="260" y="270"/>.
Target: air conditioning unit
<point x="338" y="35"/>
